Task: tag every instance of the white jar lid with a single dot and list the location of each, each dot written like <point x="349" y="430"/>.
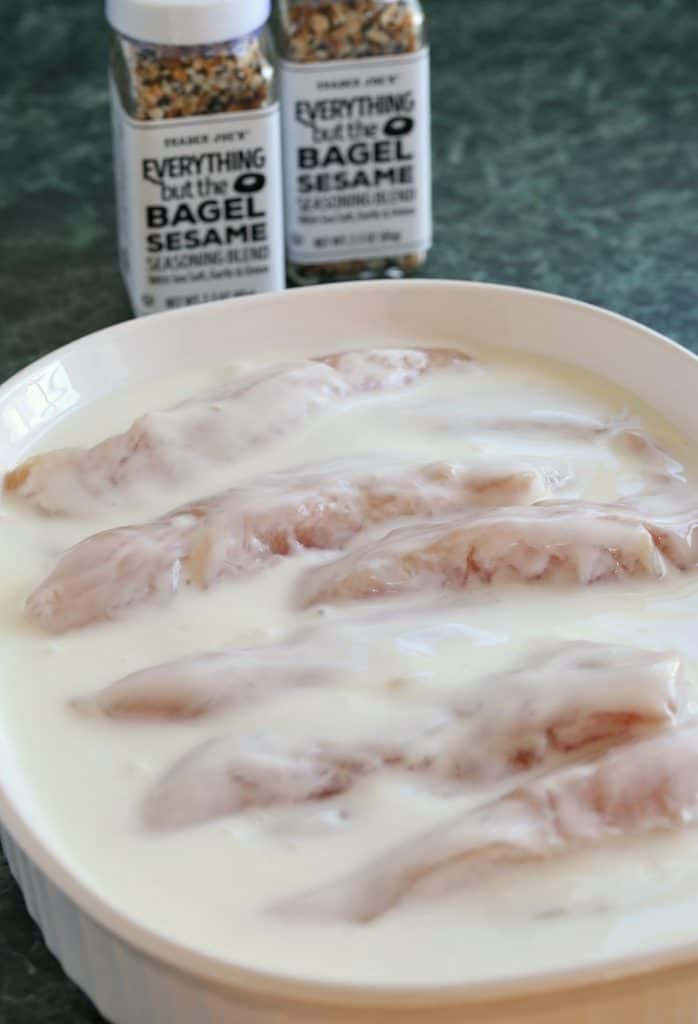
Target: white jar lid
<point x="186" y="22"/>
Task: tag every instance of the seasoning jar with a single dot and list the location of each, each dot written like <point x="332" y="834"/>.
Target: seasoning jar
<point x="354" y="79"/>
<point x="197" y="150"/>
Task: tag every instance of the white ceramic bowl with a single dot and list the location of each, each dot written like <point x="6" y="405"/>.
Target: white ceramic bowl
<point x="135" y="975"/>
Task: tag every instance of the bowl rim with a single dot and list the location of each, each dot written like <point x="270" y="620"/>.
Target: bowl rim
<point x="38" y="842"/>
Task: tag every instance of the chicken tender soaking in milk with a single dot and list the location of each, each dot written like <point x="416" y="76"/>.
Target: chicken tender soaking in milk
<point x="645" y="787"/>
<point x="214" y="427"/>
<point x="600" y="694"/>
<point x="381" y="663"/>
<point x="250" y="527"/>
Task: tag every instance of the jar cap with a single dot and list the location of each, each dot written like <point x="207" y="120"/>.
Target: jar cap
<point x="186" y="22"/>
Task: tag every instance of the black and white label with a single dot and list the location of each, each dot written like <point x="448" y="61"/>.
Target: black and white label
<point x="199" y="204"/>
<point x="357" y="151"/>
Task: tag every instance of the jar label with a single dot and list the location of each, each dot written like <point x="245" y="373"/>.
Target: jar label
<point x="357" y="149"/>
<point x="199" y="206"/>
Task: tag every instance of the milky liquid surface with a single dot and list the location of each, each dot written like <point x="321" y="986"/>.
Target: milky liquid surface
<point x="215" y="886"/>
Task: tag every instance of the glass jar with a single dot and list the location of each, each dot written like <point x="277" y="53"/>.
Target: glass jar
<point x="356" y="136"/>
<point x="159" y="81"/>
<point x="196" y="149"/>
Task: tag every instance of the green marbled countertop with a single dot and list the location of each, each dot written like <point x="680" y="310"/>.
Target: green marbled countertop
<point x="566" y="159"/>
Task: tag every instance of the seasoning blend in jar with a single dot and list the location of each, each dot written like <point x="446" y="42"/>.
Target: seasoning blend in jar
<point x="356" y="136"/>
<point x="197" y="150"/>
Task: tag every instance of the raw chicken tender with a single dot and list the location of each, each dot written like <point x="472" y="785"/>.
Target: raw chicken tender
<point x="225" y="776"/>
<point x="201" y="684"/>
<point x="593" y="693"/>
<point x="643" y="787"/>
<point x="674" y="526"/>
<point x="390" y="369"/>
<point x="569" y="542"/>
<point x="248" y="528"/>
<point x="232" y="677"/>
<point x="619" y="434"/>
<point x="215" y="428"/>
<point x="560" y="700"/>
